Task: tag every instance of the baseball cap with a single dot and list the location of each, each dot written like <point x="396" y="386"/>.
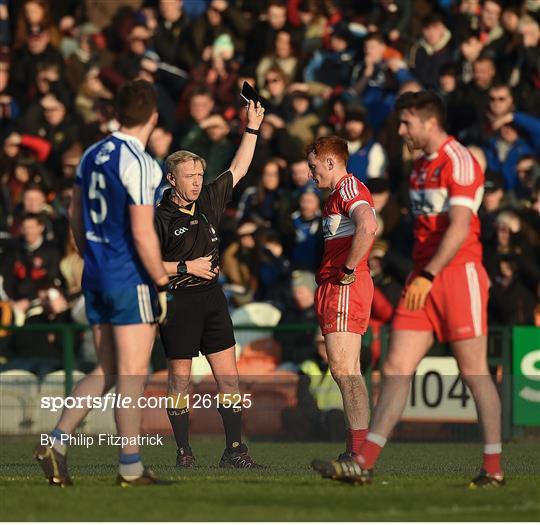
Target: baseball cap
<point x="494" y="181"/>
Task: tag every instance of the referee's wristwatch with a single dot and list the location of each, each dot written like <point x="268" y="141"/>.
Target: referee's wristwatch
<point x="181" y="268"/>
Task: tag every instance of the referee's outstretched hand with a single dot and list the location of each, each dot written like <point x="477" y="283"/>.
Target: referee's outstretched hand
<point x="202" y="267"/>
<point x="255" y="115"/>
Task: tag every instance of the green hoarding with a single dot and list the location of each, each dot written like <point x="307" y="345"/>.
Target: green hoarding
<point x="526" y="369"/>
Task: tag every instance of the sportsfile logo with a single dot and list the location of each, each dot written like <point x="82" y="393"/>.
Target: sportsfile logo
<point x="112" y="400"/>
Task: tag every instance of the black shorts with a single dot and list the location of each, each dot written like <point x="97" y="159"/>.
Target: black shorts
<point x="197" y="320"/>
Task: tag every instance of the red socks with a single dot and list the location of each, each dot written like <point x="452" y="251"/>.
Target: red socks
<point x="492" y="459"/>
<point x="370" y="450"/>
<point x="355" y="439"/>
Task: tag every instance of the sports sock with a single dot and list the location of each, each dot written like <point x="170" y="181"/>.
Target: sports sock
<point x="232" y="420"/>
<point x="370" y="450"/>
<point x="355" y="438"/>
<point x="492" y="459"/>
<point x="60" y="442"/>
<point x="178" y="412"/>
<point x="131" y="466"/>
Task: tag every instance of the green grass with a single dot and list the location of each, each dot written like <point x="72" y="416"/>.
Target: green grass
<point x="413" y="482"/>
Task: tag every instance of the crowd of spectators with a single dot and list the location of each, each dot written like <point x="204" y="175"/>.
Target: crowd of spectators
<point x="324" y="67"/>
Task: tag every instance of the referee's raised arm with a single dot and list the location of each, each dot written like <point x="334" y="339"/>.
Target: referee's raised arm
<point x="244" y="155"/>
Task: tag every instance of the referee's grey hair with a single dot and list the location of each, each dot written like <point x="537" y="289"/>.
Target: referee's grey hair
<point x="178" y="157"/>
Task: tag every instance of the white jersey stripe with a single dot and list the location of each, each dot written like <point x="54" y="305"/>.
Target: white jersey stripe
<point x="347" y="295"/>
<point x="355" y="205"/>
<point x="148" y="301"/>
<point x="462" y="163"/>
<point x="468" y="169"/>
<point x="463" y="201"/>
<point x="338" y="317"/>
<point x="145" y="303"/>
<point x="140" y="302"/>
<point x="474" y="295"/>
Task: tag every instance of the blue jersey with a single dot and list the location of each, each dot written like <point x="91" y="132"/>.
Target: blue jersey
<point x="113" y="174"/>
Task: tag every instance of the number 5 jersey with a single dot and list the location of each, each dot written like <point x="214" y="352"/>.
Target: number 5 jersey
<point x="113" y="174"/>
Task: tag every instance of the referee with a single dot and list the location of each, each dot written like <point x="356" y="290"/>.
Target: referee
<point x="187" y="220"/>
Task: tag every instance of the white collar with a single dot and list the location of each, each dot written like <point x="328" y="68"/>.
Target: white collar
<point x="126" y="136"/>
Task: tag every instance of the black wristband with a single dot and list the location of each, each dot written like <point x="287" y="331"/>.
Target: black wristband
<point x="428" y="275"/>
<point x="347" y="271"/>
<point x="181" y="267"/>
<point x="253" y="131"/>
<point x="162" y="287"/>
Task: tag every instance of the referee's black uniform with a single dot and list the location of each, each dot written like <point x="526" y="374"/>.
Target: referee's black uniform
<point x="197" y="317"/>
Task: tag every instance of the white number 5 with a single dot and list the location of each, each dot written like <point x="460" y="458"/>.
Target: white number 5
<point x="97" y="183"/>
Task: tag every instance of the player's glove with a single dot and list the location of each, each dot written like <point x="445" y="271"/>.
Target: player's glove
<point x="163" y="292"/>
<point x="418" y="290"/>
<point x="346" y="276"/>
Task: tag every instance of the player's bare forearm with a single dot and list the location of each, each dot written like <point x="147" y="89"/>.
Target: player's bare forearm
<point x="365" y="230"/>
<point x="147" y="243"/>
<point x="76" y="220"/>
<point x="453" y="238"/>
<point x="148" y="251"/>
<point x="170" y="267"/>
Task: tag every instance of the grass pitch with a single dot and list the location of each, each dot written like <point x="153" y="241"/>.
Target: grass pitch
<point x="413" y="482"/>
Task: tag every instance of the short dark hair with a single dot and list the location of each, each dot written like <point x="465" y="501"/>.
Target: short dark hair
<point x="376" y="35"/>
<point x="501" y="85"/>
<point x="426" y="103"/>
<point x="277" y="3"/>
<point x="449" y="68"/>
<point x="331" y="145"/>
<point x="431" y="19"/>
<point x="135" y="102"/>
<point x="34" y="216"/>
<point x="201" y="91"/>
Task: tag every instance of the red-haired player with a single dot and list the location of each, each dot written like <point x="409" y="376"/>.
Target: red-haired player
<point x="345" y="291"/>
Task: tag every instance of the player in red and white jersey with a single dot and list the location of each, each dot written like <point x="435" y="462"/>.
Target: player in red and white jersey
<point x="446" y="294"/>
<point x="345" y="291"/>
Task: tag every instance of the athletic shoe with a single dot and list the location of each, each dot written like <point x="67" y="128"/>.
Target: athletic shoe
<point x="485" y="480"/>
<point x="54" y="465"/>
<point x="185" y="458"/>
<point x="344" y="456"/>
<point x="240" y="459"/>
<point x="147" y="478"/>
<point x="347" y="471"/>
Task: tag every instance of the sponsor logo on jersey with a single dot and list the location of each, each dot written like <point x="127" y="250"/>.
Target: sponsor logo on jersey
<point x="104" y="153"/>
<point x="181" y="231"/>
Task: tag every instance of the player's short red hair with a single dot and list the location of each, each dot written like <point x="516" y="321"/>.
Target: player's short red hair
<point x="329" y="146"/>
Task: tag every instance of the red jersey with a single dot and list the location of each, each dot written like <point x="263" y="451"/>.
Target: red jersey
<point x="450" y="176"/>
<point x="338" y="226"/>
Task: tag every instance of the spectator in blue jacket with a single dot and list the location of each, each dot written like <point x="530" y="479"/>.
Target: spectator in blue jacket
<point x="378" y="79"/>
<point x="307" y="246"/>
<point x="333" y="66"/>
<point x="504" y="151"/>
<point x="367" y="158"/>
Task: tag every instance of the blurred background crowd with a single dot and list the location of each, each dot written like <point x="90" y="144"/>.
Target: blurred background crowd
<point x="325" y="67"/>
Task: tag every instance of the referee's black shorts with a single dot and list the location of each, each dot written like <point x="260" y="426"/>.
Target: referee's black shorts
<point x="197" y="320"/>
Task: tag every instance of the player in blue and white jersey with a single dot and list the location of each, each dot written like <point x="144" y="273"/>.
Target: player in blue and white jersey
<point x="124" y="281"/>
